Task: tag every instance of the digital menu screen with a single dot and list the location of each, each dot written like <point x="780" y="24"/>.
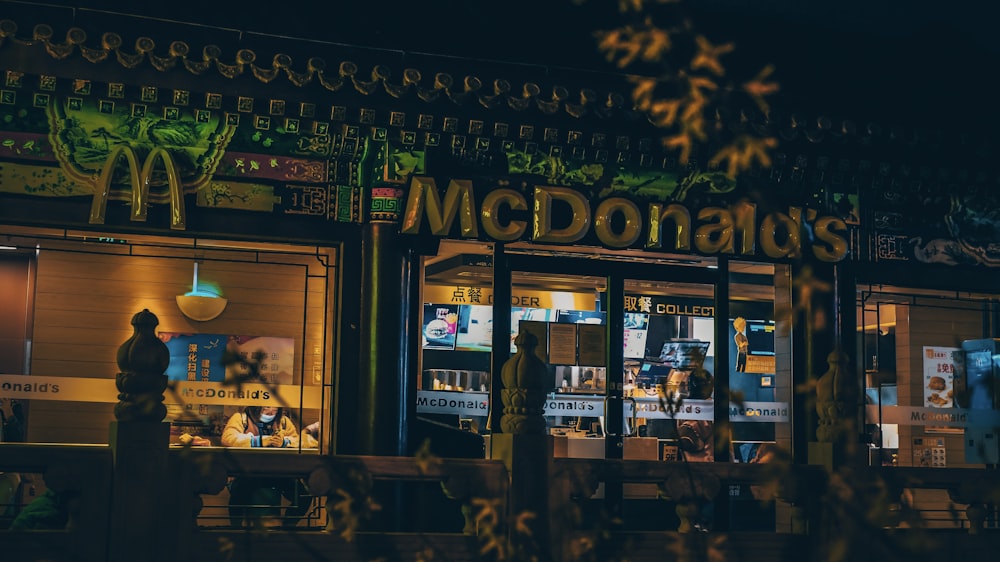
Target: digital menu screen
<point x="636" y="332"/>
<point x="475" y="328"/>
<point x="579" y="317"/>
<point x="440" y="326"/>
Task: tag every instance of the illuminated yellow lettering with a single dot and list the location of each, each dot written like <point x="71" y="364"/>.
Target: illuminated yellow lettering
<point x="834" y="246"/>
<point x="681" y="218"/>
<point x="769" y="233"/>
<point x="745" y="215"/>
<point x="458" y="199"/>
<point x="602" y="222"/>
<point x="716" y="236"/>
<point x="492" y="203"/>
<point x="579" y="222"/>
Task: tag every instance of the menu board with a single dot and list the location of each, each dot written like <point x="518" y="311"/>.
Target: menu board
<point x="591" y="343"/>
<point x="939" y="377"/>
<point x="562" y="344"/>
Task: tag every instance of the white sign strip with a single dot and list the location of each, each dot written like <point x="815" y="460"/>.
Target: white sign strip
<point x="948" y="417"/>
<point x="72" y="389"/>
<point x="759" y="412"/>
<point x="477" y="404"/>
<point x="445" y="402"/>
<point x="574" y="405"/>
<point x="650" y="408"/>
<point x="78" y="389"/>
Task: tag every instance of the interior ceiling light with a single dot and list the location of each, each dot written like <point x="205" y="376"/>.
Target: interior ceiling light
<point x="201" y="304"/>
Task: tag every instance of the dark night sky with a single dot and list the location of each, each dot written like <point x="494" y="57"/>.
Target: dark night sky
<point x="875" y="57"/>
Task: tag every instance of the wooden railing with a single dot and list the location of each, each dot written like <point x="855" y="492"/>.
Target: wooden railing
<point x="468" y="490"/>
<point x="139" y="499"/>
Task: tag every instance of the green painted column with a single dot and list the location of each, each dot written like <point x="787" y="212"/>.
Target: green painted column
<point x="381" y="384"/>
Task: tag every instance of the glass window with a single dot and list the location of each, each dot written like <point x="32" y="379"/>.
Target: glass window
<point x="760" y="370"/>
<point x="247" y="325"/>
<point x="456" y="340"/>
<point x="930" y="361"/>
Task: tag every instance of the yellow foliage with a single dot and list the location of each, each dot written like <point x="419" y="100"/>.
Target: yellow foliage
<point x="625" y="45"/>
<point x="488" y="514"/>
<point x="743" y="152"/>
<point x="642" y="93"/>
<point x="758" y="88"/>
<point x="664" y="112"/>
<point x="425" y="458"/>
<point x="708" y="55"/>
<point x="521" y="523"/>
<point x="684" y="116"/>
<point x="682" y="142"/>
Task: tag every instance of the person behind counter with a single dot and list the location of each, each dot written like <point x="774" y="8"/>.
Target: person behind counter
<point x="263" y="426"/>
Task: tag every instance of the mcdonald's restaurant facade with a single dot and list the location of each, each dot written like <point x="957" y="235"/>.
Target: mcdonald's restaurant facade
<point x="383" y="230"/>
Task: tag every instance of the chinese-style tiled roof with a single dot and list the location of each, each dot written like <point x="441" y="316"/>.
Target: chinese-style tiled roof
<point x="424" y="83"/>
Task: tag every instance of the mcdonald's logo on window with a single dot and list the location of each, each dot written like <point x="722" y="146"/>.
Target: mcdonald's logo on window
<point x="139" y="182"/>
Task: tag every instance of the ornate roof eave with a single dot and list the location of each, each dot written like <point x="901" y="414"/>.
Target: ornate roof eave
<point x="347" y="76"/>
<point x="804" y="140"/>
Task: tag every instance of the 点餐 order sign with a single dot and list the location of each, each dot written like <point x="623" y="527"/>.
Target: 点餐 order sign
<point x="562" y="215"/>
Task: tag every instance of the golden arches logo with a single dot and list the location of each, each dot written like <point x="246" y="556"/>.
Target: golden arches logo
<point x="139" y="181"/>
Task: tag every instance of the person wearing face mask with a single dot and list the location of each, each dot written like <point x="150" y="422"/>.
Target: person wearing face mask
<point x="260" y="426"/>
<point x="264" y="426"/>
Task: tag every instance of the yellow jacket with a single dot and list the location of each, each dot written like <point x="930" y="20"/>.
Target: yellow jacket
<point x="241" y="432"/>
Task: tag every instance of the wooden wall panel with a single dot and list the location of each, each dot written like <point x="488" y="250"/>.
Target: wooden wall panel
<point x="916" y="327"/>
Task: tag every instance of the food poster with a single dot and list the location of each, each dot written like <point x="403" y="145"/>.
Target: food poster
<point x="939" y="377"/>
<point x="275" y="357"/>
<point x="195" y="357"/>
<point x="440" y="326"/>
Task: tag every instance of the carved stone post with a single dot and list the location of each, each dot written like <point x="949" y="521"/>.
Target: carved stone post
<point x="525" y="447"/>
<point x="143" y="359"/>
<point x="523" y="394"/>
<point x="834" y="410"/>
<point x="143" y="514"/>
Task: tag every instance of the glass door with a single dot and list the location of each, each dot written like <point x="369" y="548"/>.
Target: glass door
<point x="670" y="370"/>
<point x="626" y="344"/>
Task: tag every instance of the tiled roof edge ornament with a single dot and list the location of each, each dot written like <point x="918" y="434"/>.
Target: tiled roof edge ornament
<point x="499" y="92"/>
<point x="520" y="103"/>
<point x="501" y="88"/>
<point x="554" y="103"/>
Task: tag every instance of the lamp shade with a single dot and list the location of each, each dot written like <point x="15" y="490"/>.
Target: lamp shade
<point x="201" y="308"/>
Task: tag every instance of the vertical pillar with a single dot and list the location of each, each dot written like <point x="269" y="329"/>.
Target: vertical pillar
<point x="383" y="292"/>
<point x="816" y="355"/>
<point x="846" y="330"/>
<point x="720" y="397"/>
<point x="143" y="524"/>
<point x="614" y="439"/>
<point x="501" y="332"/>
